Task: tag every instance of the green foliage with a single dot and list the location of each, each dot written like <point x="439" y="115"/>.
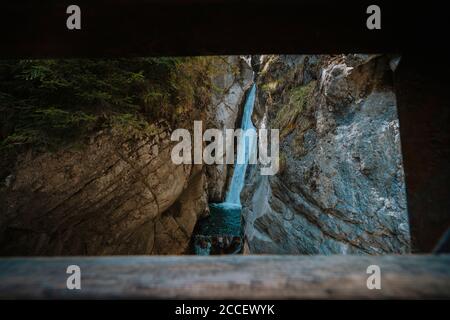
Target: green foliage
<point x="46" y="104"/>
<point x="131" y="125"/>
<point x="45" y="100"/>
<point x="286" y="117"/>
<point x="270" y="86"/>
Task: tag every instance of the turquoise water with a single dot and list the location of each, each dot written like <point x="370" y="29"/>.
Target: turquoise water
<point x="222" y="230"/>
<point x="224" y="219"/>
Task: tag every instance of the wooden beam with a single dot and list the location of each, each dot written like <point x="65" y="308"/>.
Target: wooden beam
<point x="192" y="27"/>
<point x="423" y="105"/>
<point x="227" y="277"/>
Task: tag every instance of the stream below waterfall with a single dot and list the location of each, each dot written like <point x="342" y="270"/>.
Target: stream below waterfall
<point x="221" y="231"/>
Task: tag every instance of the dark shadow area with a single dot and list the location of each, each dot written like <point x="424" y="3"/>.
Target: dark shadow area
<point x="421" y="85"/>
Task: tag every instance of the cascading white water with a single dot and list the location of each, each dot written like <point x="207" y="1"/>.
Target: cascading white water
<point x="246" y="144"/>
<point x="225" y="218"/>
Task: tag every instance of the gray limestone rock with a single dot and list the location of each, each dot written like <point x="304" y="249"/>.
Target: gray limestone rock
<point x="341" y="186"/>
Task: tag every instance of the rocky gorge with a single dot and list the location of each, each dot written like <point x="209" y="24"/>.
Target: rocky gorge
<point x="118" y="195"/>
<point x="340" y="188"/>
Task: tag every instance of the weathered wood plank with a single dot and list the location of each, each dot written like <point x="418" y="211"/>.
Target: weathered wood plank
<point x="195" y="277"/>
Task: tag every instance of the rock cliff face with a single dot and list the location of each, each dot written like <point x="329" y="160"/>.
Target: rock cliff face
<point x="226" y="107"/>
<point x="341" y="187"/>
<point x="117" y="195"/>
<point x="114" y="197"/>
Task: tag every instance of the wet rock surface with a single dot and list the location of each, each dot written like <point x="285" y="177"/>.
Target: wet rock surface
<point x="227" y="102"/>
<point x="341" y="184"/>
<point x="205" y="245"/>
<point x="118" y="195"/>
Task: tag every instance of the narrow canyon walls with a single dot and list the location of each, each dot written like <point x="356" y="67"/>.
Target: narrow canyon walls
<point x="341" y="185"/>
<point x="117" y="194"/>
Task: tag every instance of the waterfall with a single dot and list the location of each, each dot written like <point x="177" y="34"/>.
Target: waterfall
<point x="246" y="144"/>
<point x="221" y="231"/>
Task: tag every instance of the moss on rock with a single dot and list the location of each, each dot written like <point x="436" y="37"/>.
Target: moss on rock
<point x="286" y="117"/>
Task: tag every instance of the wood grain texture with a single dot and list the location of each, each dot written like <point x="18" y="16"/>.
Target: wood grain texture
<point x="226" y="277"/>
